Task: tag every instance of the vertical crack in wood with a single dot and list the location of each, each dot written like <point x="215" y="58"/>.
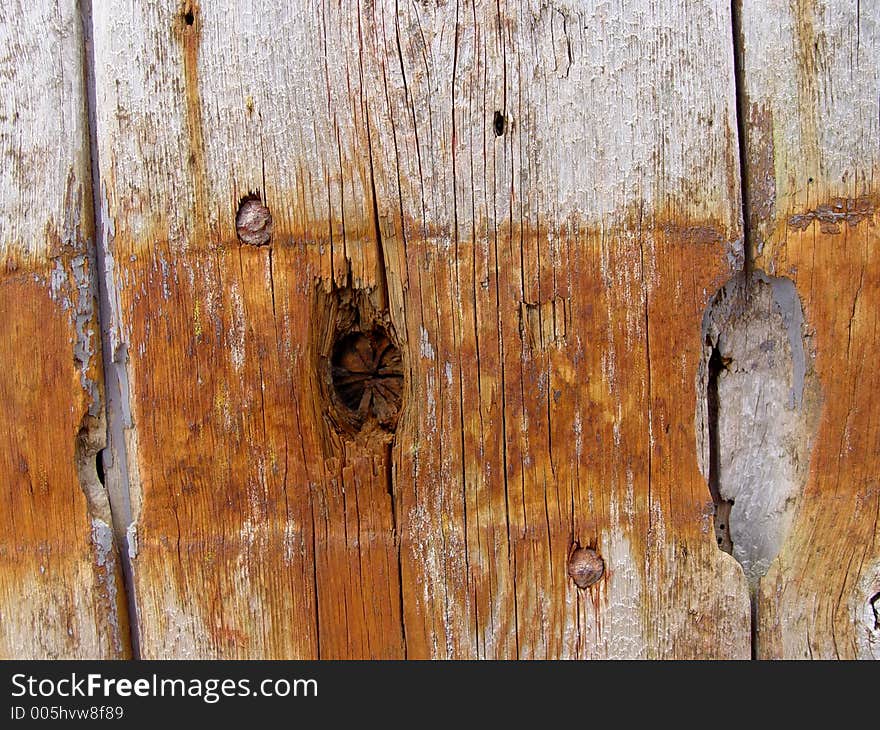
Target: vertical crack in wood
<point x="742" y="140"/>
<point x="380" y="249"/>
<point x="741" y="104"/>
<point x="359" y="390"/>
<point x="359" y="385"/>
<point x="389" y="450"/>
<point x="114" y="356"/>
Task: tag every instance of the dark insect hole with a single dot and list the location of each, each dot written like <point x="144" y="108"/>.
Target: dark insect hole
<point x="99" y="466"/>
<point x="499" y="123"/>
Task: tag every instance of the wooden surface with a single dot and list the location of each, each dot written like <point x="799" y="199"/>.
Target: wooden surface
<point x="812" y="87"/>
<point x="429" y="331"/>
<point x="545" y="288"/>
<point x="61" y="595"/>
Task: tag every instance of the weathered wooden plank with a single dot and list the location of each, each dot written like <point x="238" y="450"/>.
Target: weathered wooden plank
<point x="255" y="522"/>
<point x="812" y="86"/>
<point x="535" y="203"/>
<point x="567" y="183"/>
<point x="61" y="593"/>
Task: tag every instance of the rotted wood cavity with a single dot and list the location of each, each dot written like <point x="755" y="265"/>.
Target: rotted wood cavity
<point x="367" y="376"/>
<point x="760" y="399"/>
<point x="359" y="365"/>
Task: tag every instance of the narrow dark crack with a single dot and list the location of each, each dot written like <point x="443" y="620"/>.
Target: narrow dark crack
<point x="722" y="506"/>
<point x="753" y="615"/>
<point x="113" y="459"/>
<point x="742" y="140"/>
<point x="99" y="467"/>
<point x="389" y="451"/>
<point x="738" y="42"/>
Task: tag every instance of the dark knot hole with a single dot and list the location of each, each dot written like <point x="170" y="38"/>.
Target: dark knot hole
<point x="499" y="124"/>
<point x="367" y="376"/>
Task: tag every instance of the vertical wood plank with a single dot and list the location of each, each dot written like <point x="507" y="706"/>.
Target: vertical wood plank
<point x="61" y="593"/>
<point x="255" y="523"/>
<point x="558" y="188"/>
<point x="812" y="87"/>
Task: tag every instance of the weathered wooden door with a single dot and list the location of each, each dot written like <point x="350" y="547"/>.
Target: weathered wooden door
<point x="377" y="329"/>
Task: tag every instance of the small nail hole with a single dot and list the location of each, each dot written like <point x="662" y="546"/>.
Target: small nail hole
<point x="499" y="123"/>
<point x="189" y="18"/>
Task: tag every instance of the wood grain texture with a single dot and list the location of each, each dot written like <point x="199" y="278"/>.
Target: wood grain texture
<point x="61" y="594"/>
<point x="611" y="196"/>
<point x="812" y="87"/>
<point x="536" y="201"/>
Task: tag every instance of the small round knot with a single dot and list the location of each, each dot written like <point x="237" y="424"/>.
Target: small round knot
<point x="253" y="223"/>
<point x="585" y="566"/>
<point x="367" y="374"/>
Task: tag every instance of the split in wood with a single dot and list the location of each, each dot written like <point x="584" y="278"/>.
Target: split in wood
<point x="723" y="506"/>
<point x="99" y="467"/>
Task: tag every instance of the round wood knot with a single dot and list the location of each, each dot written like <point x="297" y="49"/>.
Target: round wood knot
<point x="253" y="222"/>
<point x="585" y="566"/>
<point x="367" y="374"/>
